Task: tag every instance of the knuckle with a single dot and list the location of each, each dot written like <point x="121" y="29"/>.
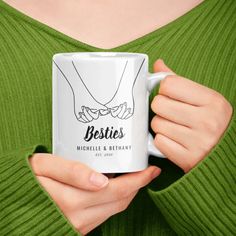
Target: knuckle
<point x="188" y="165"/>
<point x="228" y="111"/>
<point x="214" y="97"/>
<point x="225" y="107"/>
<point x="221" y="114"/>
<point x="78" y="221"/>
<point x="146" y="179"/>
<point x="208" y="143"/>
<point x="228" y="108"/>
<point x="121" y="205"/>
<point x="219" y="102"/>
<point x="80" y="224"/>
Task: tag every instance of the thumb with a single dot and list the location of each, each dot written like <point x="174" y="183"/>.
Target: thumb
<point x="160" y="66"/>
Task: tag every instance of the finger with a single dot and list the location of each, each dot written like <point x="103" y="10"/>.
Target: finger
<point x="91" y="217"/>
<point x="179" y="133"/>
<point x="122" y="186"/>
<point x="160" y="66"/>
<point x="185" y="90"/>
<point x="114" y="113"/>
<point x="123" y="109"/>
<point x="173" y="151"/>
<point x="84" y="117"/>
<point x="69" y="172"/>
<point x="93" y="113"/>
<point x="86" y="114"/>
<point x="69" y="198"/>
<point x="178" y="112"/>
<point x="182" y="89"/>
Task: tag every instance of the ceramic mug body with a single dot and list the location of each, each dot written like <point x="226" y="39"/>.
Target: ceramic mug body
<point x="100" y="109"/>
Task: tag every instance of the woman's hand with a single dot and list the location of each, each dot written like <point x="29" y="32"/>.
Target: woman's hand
<point x="87" y="198"/>
<point x="190" y="119"/>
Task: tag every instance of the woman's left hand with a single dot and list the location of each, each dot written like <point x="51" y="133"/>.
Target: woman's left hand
<point x="190" y="119"/>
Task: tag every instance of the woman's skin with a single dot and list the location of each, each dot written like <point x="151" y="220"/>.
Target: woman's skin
<point x="105" y="23"/>
<point x="190" y="118"/>
<point x="87" y="198"/>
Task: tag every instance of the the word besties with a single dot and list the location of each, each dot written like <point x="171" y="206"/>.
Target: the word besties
<point x="103" y="133"/>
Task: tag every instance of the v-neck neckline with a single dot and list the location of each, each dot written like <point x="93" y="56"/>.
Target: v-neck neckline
<point x="89" y="47"/>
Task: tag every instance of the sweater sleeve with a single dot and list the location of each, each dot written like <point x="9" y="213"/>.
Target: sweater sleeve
<point x="203" y="201"/>
<point x="25" y="207"/>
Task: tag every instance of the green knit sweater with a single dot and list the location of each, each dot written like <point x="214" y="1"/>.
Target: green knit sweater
<point x="201" y="45"/>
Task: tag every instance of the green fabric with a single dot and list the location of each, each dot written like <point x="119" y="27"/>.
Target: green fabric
<point x="201" y="45"/>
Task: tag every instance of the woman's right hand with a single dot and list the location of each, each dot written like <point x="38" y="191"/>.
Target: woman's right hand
<point x="86" y="197"/>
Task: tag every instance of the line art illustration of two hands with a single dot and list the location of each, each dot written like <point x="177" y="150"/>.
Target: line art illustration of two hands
<point x="89" y="114"/>
<point x="93" y="109"/>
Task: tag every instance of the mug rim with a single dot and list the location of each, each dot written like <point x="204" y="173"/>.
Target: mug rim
<point x="95" y="55"/>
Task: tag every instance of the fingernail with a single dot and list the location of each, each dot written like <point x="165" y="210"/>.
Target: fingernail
<point x="98" y="179"/>
<point x="156" y="172"/>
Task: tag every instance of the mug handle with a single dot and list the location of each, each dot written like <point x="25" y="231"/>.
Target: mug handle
<point x="152" y="81"/>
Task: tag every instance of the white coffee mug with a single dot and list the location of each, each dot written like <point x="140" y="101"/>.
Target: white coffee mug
<point x="100" y="109"/>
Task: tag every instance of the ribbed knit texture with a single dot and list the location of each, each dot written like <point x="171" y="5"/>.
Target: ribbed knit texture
<point x="201" y="45"/>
